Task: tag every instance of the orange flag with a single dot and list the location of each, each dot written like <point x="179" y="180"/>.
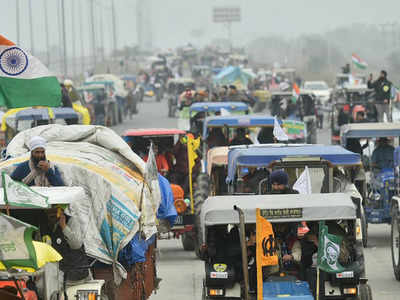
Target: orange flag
<point x="296" y="89"/>
<point x="266" y="253"/>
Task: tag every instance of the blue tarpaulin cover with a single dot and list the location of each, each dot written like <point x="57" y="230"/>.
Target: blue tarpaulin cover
<point x="135" y="250"/>
<point x="166" y="210"/>
<point x="297" y="290"/>
<point x="263" y="156"/>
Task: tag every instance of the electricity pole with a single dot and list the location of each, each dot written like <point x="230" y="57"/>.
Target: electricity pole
<point x="73" y="38"/>
<point x="93" y="31"/>
<point x="139" y="23"/>
<point x="101" y="35"/>
<point x="46" y="25"/>
<point x="64" y="39"/>
<point x="81" y="41"/>
<point x="114" y="26"/>
<point x="31" y="27"/>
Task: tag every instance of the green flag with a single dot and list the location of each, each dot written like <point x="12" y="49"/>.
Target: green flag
<point x="328" y="250"/>
<point x="16" y="247"/>
<point x="18" y="194"/>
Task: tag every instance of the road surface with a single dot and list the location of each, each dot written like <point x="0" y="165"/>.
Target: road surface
<point x="182" y="273"/>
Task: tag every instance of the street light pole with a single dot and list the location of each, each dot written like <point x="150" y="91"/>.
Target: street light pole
<point x="31" y="27"/>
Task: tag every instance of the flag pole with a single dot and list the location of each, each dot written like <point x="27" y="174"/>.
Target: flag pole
<point x="317" y="288"/>
<point x="31" y="27"/>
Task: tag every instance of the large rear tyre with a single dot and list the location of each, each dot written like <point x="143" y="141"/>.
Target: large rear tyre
<point x="364" y="292"/>
<point x="200" y="195"/>
<point x="364" y="227"/>
<point x="394" y="242"/>
<point x="187" y="241"/>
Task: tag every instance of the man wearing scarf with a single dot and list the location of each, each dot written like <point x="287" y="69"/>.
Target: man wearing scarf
<point x="37" y="171"/>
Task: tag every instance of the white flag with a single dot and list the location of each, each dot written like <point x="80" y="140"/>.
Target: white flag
<point x="148" y="207"/>
<point x="225" y="112"/>
<point x="278" y="132"/>
<point x="18" y="194"/>
<point x="303" y="183"/>
<point x="151" y="172"/>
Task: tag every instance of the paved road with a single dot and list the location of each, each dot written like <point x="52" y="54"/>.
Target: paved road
<point x="182" y="273"/>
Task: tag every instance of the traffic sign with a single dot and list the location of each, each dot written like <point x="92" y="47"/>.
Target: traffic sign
<point x="226" y="14"/>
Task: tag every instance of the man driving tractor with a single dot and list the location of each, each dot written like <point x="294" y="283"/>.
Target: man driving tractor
<point x="382" y="157"/>
<point x="279" y="183"/>
<point x="65" y="234"/>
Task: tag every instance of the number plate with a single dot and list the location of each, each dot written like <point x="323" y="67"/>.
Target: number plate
<point x="179" y="220"/>
<point x="219" y="275"/>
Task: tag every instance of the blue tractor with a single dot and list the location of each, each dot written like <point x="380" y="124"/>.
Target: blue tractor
<point x="377" y="183"/>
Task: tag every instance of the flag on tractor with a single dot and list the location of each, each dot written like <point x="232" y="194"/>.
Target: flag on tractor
<point x="329" y="250"/>
<point x="303" y="183"/>
<point x="192" y="145"/>
<point x="358" y="62"/>
<point x="16" y="246"/>
<point x="24" y="80"/>
<point x="296" y="92"/>
<point x="266" y="250"/>
<point x="18" y="194"/>
<point x="303" y="186"/>
<point x="278" y="131"/>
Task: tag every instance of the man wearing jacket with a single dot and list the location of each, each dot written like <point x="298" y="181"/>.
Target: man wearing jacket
<point x="37" y="171"/>
<point x="382" y="88"/>
<point x="279" y="183"/>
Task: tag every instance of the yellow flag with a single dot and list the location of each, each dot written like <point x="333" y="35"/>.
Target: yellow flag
<point x="83" y="111"/>
<point x="266" y="253"/>
<point x="192" y="146"/>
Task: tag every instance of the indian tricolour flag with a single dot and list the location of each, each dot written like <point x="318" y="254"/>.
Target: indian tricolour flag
<point x="358" y="62"/>
<point x="24" y="80"/>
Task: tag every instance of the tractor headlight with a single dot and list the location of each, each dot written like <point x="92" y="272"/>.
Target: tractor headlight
<point x="87" y="295"/>
<point x="216" y="292"/>
<point x="350" y="291"/>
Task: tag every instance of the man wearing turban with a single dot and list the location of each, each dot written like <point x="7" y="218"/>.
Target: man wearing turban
<point x="37" y="171"/>
<point x="279" y="182"/>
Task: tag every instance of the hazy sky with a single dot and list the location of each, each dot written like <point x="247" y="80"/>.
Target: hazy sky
<point x="173" y="21"/>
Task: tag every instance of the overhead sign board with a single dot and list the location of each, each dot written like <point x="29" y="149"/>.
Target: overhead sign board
<point x="226" y="14"/>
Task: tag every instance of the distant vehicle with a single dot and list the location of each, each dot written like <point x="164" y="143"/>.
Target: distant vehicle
<point x="350" y="81"/>
<point x="320" y="89"/>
